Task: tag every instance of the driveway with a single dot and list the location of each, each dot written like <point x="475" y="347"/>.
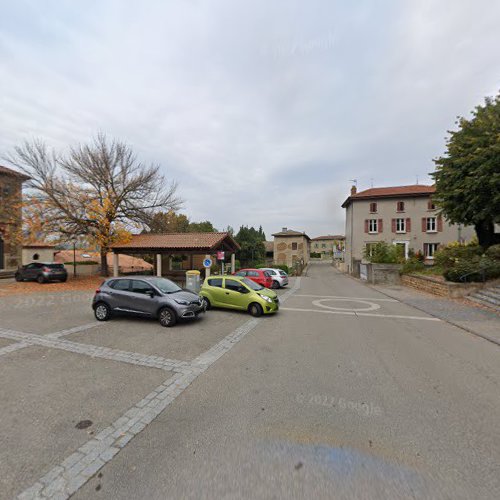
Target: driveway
<point x="345" y="393"/>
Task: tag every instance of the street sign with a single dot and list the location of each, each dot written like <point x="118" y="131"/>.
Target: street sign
<point x="220" y="255"/>
<point x="207" y="263"/>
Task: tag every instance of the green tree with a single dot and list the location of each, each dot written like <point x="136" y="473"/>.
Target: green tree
<point x="201" y="227"/>
<point x="168" y="222"/>
<point x="468" y="175"/>
<point x="252" y="249"/>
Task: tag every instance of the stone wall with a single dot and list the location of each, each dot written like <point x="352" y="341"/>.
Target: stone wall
<point x="438" y="287"/>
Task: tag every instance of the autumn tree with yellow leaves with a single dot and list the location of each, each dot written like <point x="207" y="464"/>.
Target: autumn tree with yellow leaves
<point x="98" y="190"/>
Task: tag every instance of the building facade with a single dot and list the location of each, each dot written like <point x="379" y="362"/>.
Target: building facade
<point x="10" y="218"/>
<point x="330" y="246"/>
<point x="401" y="215"/>
<point x="291" y="247"/>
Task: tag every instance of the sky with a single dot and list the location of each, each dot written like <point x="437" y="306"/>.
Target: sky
<point x="264" y="111"/>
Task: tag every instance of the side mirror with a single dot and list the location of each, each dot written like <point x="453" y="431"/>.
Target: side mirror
<point x="151" y="293"/>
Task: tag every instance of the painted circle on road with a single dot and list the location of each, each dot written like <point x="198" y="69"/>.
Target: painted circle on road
<point x="371" y="305"/>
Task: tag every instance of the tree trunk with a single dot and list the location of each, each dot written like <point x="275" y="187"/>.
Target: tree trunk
<point x="104" y="263"/>
<point x="486" y="236"/>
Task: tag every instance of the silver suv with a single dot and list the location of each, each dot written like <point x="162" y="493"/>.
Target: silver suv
<point x="280" y="278"/>
<point x="146" y="296"/>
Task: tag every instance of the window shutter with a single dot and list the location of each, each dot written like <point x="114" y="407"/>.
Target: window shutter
<point x="393" y="225"/>
<point x="424" y="224"/>
<point x="366" y="225"/>
<point x="380" y="226"/>
<point x="439" y="224"/>
<point x="408" y="225"/>
<point x="426" y="249"/>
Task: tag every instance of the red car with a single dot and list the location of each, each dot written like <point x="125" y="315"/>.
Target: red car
<point x="260" y="276"/>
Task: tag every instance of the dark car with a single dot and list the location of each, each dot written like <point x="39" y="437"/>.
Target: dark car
<point x="42" y="272"/>
<point x="146" y="296"/>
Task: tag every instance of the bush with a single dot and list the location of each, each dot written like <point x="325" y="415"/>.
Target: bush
<point x="383" y="253"/>
<point x="448" y="256"/>
<point x="315" y="255"/>
<point x="493" y="252"/>
<point x="476" y="269"/>
<point x="412" y="265"/>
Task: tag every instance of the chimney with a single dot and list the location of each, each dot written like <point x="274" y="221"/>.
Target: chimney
<point x="353" y="190"/>
<point x="284" y="229"/>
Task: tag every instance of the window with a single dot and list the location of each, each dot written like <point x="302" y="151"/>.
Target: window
<point x="215" y="282"/>
<point x="400" y="226"/>
<point x="253" y="274"/>
<point x="122" y="285"/>
<point x="430" y="249"/>
<point x="323" y="245"/>
<point x="241" y="273"/>
<point x="142" y="287"/>
<point x="430" y="226"/>
<point x="294" y="245"/>
<point x="35" y="256"/>
<point x="233" y="285"/>
<point x="316" y="245"/>
<point x="373" y="226"/>
<point x="401" y="206"/>
<point x="431" y="205"/>
<point x="373" y="208"/>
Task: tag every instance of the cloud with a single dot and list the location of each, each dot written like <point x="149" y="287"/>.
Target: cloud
<point x="262" y="111"/>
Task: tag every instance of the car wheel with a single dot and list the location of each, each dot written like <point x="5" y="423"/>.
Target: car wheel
<point x="102" y="312"/>
<point x="167" y="317"/>
<point x="208" y="306"/>
<point x="40" y="279"/>
<point x="275" y="284"/>
<point x="18" y="277"/>
<point x="255" y="310"/>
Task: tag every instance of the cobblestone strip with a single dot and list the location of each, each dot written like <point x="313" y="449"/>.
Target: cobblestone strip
<point x="65" y="479"/>
<point x="94" y="351"/>
<point x="76" y="329"/>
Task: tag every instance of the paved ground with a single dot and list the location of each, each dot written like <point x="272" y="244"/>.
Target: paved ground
<point x="346" y="393"/>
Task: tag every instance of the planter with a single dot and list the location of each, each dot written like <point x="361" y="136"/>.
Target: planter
<point x="439" y="287"/>
<point x="381" y="274"/>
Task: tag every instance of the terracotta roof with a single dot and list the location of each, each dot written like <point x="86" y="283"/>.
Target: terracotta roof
<point x="13" y="173"/>
<point x="329" y="237"/>
<point x="126" y="261"/>
<point x="269" y="246"/>
<point x="290" y="232"/>
<point x="181" y="241"/>
<point x="391" y="192"/>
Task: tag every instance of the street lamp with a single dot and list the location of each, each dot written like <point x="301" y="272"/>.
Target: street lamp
<point x="74" y="257"/>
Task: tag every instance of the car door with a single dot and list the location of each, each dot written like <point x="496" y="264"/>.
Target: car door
<point x="32" y="271"/>
<point x="119" y="294"/>
<point x="142" y="298"/>
<point x="216" y="292"/>
<point x="233" y="297"/>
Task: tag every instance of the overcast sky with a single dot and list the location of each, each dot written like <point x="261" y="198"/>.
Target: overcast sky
<point x="261" y="110"/>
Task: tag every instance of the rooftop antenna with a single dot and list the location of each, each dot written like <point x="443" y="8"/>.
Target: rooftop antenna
<point x="354" y="181"/>
<point x="371" y="182"/>
<point x="417" y="180"/>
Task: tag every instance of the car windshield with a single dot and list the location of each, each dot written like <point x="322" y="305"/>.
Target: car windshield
<point x="251" y="284"/>
<point x="55" y="266"/>
<point x="165" y="285"/>
<point x="282" y="273"/>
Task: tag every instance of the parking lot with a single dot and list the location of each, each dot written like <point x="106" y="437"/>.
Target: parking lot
<point x="76" y="386"/>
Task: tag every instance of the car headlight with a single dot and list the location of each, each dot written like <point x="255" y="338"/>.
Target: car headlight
<point x="266" y="298"/>
<point x="182" y="302"/>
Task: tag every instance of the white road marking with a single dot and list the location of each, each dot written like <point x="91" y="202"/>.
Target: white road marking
<point x="345" y="298"/>
<point x="349" y="313"/>
<point x="371" y="305"/>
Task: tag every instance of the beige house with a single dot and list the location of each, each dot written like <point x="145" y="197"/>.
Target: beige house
<point x="328" y="246"/>
<point x="401" y="215"/>
<point x="290" y="247"/>
<point x="11" y="183"/>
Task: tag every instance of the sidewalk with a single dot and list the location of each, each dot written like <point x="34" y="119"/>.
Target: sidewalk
<point x="478" y="321"/>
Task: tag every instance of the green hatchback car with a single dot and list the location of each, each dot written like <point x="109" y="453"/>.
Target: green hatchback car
<point x="240" y="293"/>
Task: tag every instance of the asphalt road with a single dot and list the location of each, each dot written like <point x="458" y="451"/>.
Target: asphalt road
<point x="345" y="393"/>
<point x="324" y="403"/>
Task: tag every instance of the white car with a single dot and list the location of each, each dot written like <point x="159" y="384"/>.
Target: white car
<point x="280" y="278"/>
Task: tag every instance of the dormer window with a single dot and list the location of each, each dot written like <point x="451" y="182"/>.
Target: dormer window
<point x="373" y="208"/>
<point x="401" y="206"/>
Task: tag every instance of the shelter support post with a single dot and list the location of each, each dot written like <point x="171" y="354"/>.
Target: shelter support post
<point x="233" y="263"/>
<point x="158" y="264"/>
<point x="116" y="264"/>
<point x="207" y="269"/>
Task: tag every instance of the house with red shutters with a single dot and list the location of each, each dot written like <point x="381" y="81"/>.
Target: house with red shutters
<point x="401" y="215"/>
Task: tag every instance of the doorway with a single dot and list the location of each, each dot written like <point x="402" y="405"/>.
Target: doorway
<point x="404" y="245"/>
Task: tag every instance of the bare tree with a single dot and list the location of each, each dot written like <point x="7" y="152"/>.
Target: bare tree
<point x="98" y="189"/>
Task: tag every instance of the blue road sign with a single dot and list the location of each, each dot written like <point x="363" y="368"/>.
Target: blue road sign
<point x="207" y="263"/>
